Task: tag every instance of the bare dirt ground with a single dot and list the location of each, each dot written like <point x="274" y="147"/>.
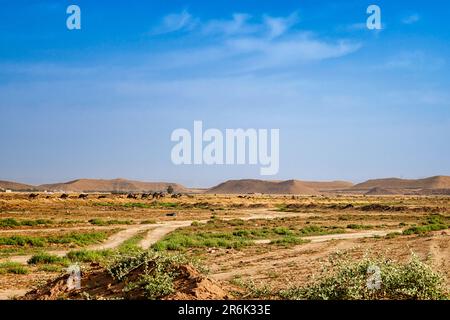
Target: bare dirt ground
<point x="357" y="225"/>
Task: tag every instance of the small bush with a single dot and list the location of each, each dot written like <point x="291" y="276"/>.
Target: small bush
<point x="89" y="255"/>
<point x="424" y="229"/>
<point x="46" y="258"/>
<point x="22" y="241"/>
<point x="392" y="235"/>
<point x="313" y="230"/>
<point x="11" y="222"/>
<point x="148" y="222"/>
<point x="100" y="222"/>
<point x="359" y="226"/>
<point x="50" y="268"/>
<point x="80" y="239"/>
<point x="179" y="240"/>
<point x="282" y="231"/>
<point x="348" y="281"/>
<point x="156" y="272"/>
<point x="289" y="240"/>
<point x="13" y="267"/>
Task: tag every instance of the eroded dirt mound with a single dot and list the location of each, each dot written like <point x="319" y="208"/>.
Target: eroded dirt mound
<point x="192" y="286"/>
<point x="98" y="283"/>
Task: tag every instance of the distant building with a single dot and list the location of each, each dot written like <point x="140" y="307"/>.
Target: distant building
<point x="8" y="191"/>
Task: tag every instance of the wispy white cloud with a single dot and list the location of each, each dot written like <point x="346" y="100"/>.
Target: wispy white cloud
<point x="297" y="49"/>
<point x="175" y="22"/>
<point x="279" y="25"/>
<point x="244" y="43"/>
<point x="238" y="25"/>
<point x="413" y="18"/>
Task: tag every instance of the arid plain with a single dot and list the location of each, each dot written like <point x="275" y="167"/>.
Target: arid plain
<point x="224" y="246"/>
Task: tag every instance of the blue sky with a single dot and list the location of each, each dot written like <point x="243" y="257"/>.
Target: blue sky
<point x="101" y="102"/>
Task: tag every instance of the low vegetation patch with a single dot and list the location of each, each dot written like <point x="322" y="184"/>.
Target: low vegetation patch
<point x="148" y="221"/>
<point x="289" y="240"/>
<point x="313" y="230"/>
<point x="238" y="233"/>
<point x="359" y="226"/>
<point x="103" y="256"/>
<point x="13" y="268"/>
<point x="180" y="240"/>
<point x="432" y="223"/>
<point x="73" y="238"/>
<point x="47" y="258"/>
<point x="149" y="271"/>
<point x="379" y="278"/>
<point x="51" y="268"/>
<point x="100" y="222"/>
<point x="13" y="223"/>
<point x="89" y="255"/>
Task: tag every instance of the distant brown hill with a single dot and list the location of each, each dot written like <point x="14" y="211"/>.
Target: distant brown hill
<point x="327" y="185"/>
<point x="436" y="182"/>
<point x="276" y="187"/>
<point x="101" y="185"/>
<point x="15" y="186"/>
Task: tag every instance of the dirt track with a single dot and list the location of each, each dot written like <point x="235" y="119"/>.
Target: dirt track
<point x="155" y="232"/>
<point x="158" y="231"/>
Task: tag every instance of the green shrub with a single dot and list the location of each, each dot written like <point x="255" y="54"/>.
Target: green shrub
<point x="80" y="239"/>
<point x="148" y="222"/>
<point x="50" y="268"/>
<point x="22" y="241"/>
<point x="181" y="240"/>
<point x="348" y="281"/>
<point x="89" y="255"/>
<point x="150" y="271"/>
<point x="168" y="204"/>
<point x="313" y="230"/>
<point x="359" y="226"/>
<point x="424" y="229"/>
<point x="13" y="267"/>
<point x="100" y="222"/>
<point x="433" y="222"/>
<point x="11" y="222"/>
<point x="282" y="231"/>
<point x="46" y="258"/>
<point x="392" y="235"/>
<point x="289" y="240"/>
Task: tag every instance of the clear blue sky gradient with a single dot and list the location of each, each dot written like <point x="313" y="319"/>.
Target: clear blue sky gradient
<point x="102" y="102"/>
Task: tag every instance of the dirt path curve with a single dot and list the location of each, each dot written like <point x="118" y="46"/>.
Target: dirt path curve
<point x="157" y="231"/>
<point x="162" y="229"/>
<point x="341" y="236"/>
<point x="113" y="241"/>
<point x="440" y="252"/>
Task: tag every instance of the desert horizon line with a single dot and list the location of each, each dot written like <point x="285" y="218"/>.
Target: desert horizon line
<point x="218" y="183"/>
